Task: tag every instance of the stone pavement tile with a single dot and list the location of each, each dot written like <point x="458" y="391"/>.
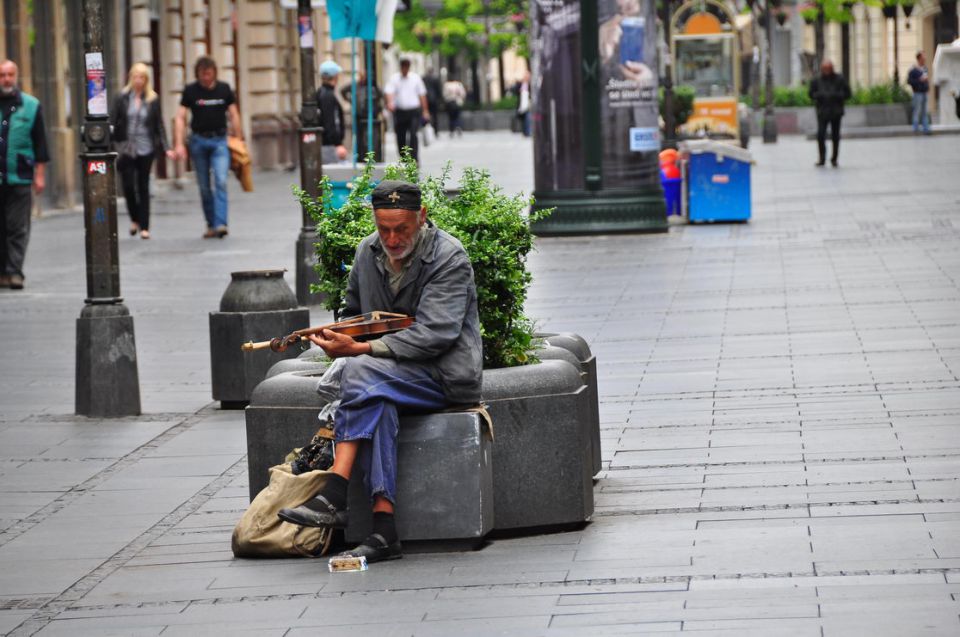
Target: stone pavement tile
<point x="750" y="496"/>
<point x="513" y="626"/>
<point x="919" y="436"/>
<point x="782" y="475"/>
<point x="890" y="618"/>
<point x="737" y="346"/>
<point x="822" y="443"/>
<point x="820" y="342"/>
<point x="29" y="475"/>
<point x="10" y="619"/>
<point x="663" y="457"/>
<point x="922" y="400"/>
<point x="855" y="542"/>
<point x="944" y="336"/>
<point x="882" y="315"/>
<point x="823" y="473"/>
<point x="691" y="347"/>
<point x="33" y="574"/>
<point x="882" y="563"/>
<point x="886" y="340"/>
<point x="801" y="624"/>
<point x="807" y="322"/>
<point x="755" y="436"/>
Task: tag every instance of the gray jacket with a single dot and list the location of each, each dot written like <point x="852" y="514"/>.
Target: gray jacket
<point x="439" y="291"/>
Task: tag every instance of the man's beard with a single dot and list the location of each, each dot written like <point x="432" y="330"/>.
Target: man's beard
<point x="7" y="90"/>
<point x="408" y="250"/>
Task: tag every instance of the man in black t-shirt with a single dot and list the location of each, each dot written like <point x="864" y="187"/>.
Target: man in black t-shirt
<point x="210" y="103"/>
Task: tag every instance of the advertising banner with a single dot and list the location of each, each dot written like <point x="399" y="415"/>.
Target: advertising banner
<point x="555" y="92"/>
<point x="629" y="126"/>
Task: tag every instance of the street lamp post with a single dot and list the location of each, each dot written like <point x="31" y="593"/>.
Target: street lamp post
<point x="669" y="121"/>
<point x="107" y="383"/>
<point x="769" y="118"/>
<point x="311" y="159"/>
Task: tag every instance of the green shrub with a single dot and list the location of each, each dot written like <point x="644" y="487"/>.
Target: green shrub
<point x="884" y="93"/>
<point x="491" y="225"/>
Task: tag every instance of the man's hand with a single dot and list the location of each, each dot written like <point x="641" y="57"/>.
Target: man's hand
<point x="39" y="179"/>
<point x="338" y="345"/>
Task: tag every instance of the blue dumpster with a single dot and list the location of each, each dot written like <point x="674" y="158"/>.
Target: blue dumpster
<point x="718" y="181"/>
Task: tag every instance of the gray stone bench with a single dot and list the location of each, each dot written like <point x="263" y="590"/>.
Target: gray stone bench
<point x="444" y="461"/>
<point x="536" y="473"/>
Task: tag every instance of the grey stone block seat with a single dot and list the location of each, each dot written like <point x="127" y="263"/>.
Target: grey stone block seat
<point x="454" y="483"/>
<point x="444" y="459"/>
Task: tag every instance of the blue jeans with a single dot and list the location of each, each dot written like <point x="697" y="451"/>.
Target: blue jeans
<point x="372" y="393"/>
<point x="920" y="114"/>
<point x="211" y="154"/>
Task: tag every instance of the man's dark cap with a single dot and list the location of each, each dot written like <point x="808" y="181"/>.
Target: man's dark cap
<point x="392" y="193"/>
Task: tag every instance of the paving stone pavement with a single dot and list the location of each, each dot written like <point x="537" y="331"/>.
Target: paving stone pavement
<point x="780" y="411"/>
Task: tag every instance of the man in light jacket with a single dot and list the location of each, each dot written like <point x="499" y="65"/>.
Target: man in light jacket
<point x="410" y="267"/>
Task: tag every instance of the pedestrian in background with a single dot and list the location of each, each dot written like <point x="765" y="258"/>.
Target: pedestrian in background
<point x="829" y="91"/>
<point x="523" y="103"/>
<point x="331" y="113"/>
<point x="363" y="114"/>
<point x="209" y="102"/>
<point x="23" y="153"/>
<point x="919" y="80"/>
<point x="454" y="94"/>
<point x="434" y="94"/>
<point x="139" y="136"/>
<point x="407" y="100"/>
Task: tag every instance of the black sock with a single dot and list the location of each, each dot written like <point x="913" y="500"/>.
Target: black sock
<point x="384" y="525"/>
<point x="334" y="490"/>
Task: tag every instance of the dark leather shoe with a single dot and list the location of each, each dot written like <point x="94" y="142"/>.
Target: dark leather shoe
<point x="376" y="549"/>
<point x="319" y="513"/>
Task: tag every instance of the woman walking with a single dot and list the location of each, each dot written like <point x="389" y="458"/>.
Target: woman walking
<point x="139" y="136"/>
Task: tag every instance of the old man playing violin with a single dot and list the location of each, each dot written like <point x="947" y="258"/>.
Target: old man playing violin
<point x="407" y="266"/>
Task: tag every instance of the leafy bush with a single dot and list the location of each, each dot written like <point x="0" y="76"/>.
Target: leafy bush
<point x="885" y="93"/>
<point x="784" y="96"/>
<point x="491" y="225"/>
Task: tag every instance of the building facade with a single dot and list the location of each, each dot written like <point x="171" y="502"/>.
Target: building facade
<point x="253" y="41"/>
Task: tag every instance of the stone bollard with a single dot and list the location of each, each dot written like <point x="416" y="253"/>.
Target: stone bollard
<point x="256" y="306"/>
<point x="576" y="345"/>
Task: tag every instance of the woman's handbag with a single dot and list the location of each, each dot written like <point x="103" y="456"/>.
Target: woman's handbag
<point x="260" y="533"/>
<point x="126" y="153"/>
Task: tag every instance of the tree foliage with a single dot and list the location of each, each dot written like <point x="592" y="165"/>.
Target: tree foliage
<point x="459" y="26"/>
<point x="492" y="226"/>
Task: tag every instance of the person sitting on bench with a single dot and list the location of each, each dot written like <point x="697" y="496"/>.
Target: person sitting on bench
<point x="410" y="267"/>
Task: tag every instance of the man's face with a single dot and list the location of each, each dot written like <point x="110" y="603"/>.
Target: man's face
<point x="826" y="68"/>
<point x="398" y="230"/>
<point x="207" y="76"/>
<point x="404" y="69"/>
<point x="922" y="59"/>
<point x="8" y="77"/>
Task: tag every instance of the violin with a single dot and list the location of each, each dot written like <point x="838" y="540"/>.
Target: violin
<point x="360" y="328"/>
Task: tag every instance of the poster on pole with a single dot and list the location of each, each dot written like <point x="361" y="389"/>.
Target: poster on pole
<point x="628" y="92"/>
<point x="556" y="95"/>
<point x="96" y="84"/>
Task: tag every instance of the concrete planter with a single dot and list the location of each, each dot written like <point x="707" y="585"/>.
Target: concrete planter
<point x="487" y="120"/>
<point x="256" y="306"/>
<point x="540" y="463"/>
<point x="802" y="120"/>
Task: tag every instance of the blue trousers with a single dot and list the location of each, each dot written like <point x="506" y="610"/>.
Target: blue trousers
<point x="373" y="391"/>
<point x="211" y="155"/>
<point x="920" y="115"/>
